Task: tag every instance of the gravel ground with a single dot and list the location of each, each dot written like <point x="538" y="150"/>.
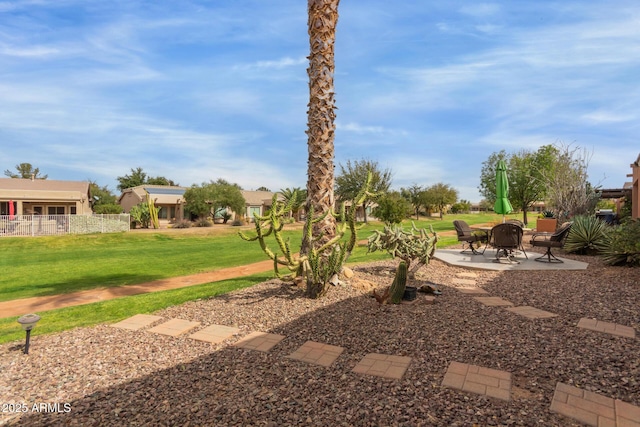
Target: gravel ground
<point x="103" y="376"/>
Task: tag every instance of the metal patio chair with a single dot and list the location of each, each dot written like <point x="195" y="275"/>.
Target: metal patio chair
<point x="548" y="240"/>
<point x="506" y="238"/>
<point x="469" y="236"/>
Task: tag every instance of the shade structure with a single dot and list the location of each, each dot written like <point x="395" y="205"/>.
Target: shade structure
<point x="502" y="205"/>
<point x="12" y="211"/>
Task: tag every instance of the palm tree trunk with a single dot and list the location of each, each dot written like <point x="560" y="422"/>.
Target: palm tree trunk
<point x="323" y="18"/>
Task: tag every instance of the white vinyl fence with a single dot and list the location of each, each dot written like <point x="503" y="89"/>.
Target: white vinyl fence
<point x="46" y="225"/>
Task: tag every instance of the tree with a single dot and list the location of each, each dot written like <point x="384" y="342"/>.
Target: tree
<point x="139" y="177"/>
<point x="300" y="196"/>
<point x="349" y="182"/>
<point x="463" y="206"/>
<point x="487" y="185"/>
<point x="211" y="199"/>
<point x="441" y="195"/>
<point x="103" y="200"/>
<point x="392" y="208"/>
<point x="160" y="180"/>
<point x="569" y="191"/>
<point x="525" y="171"/>
<point x="25" y="171"/>
<point x="416" y="196"/>
<point x="263" y="189"/>
<point x="136" y="178"/>
<point x="323" y="18"/>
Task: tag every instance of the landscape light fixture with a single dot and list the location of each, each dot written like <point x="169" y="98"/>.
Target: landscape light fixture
<point x="28" y="321"/>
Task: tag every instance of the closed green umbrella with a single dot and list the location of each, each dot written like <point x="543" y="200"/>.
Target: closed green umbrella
<point x="502" y="205"/>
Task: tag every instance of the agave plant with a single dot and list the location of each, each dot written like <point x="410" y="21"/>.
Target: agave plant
<point x="623" y="244"/>
<point x="588" y="235"/>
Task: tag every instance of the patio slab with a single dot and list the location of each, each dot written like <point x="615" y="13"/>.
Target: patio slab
<point x="260" y="341"/>
<point x="174" y="327"/>
<point x="317" y="353"/>
<point x="485" y="262"/>
<point x="383" y="365"/>
<point x="214" y="333"/>
<point x="607" y="327"/>
<point x="593" y="409"/>
<point x="137" y="322"/>
<point x="477" y="379"/>
<point x="531" y="312"/>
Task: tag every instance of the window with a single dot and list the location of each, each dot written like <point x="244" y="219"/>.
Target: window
<point x="55" y="210"/>
<point x="254" y="210"/>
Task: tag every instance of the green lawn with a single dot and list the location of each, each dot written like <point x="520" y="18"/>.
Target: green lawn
<point x="42" y="266"/>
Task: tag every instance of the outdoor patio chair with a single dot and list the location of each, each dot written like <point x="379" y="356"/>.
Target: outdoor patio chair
<point x="506" y="238"/>
<point x="548" y="240"/>
<point x="516" y="222"/>
<point x="467" y="235"/>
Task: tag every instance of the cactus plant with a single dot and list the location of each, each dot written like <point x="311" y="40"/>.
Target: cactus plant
<point x="321" y="262"/>
<point x="399" y="284"/>
<point x="415" y="247"/>
<point x="153" y="212"/>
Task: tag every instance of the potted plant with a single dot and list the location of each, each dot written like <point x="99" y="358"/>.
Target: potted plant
<point x="547" y="222"/>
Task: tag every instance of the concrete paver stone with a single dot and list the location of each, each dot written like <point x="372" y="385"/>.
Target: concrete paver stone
<point x="492" y="301"/>
<point x="383" y="365"/>
<point x="465" y="282"/>
<point x="607" y="327"/>
<point x="593" y="409"/>
<point x="317" y="353"/>
<point x="473" y="291"/>
<point x="137" y="322"/>
<point x="214" y="333"/>
<point x="260" y="341"/>
<point x="477" y="379"/>
<point x="531" y="312"/>
<point x="467" y="274"/>
<point x="174" y="327"/>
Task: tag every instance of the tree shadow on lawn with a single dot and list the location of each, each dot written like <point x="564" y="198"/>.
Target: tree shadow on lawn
<point x="228" y="385"/>
<point x="117" y="282"/>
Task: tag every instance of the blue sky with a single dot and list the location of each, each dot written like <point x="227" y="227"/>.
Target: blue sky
<point x="201" y="90"/>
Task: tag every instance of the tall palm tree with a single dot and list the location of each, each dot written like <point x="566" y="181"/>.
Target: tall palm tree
<point x="323" y="18"/>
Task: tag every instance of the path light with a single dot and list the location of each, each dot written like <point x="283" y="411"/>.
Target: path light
<point x="28" y="321"/>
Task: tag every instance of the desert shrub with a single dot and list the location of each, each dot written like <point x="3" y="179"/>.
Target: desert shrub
<point x="392" y="208"/>
<point x="588" y="235"/>
<point x="111" y="208"/>
<point x="203" y="222"/>
<point x="623" y="244"/>
<point x="237" y="222"/>
<point x="140" y="215"/>
<point x="183" y="223"/>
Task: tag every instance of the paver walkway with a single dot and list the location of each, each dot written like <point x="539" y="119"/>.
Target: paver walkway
<point x="582" y="405"/>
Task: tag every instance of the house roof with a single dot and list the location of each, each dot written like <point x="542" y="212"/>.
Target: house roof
<point x="43" y="185"/>
<point x="55" y="190"/>
<point x="162" y="194"/>
<point x="258" y="198"/>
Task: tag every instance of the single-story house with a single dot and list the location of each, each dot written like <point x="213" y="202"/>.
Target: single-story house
<point x="44" y="197"/>
<point x="257" y="202"/>
<point x="170" y="200"/>
<point x="635" y="188"/>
